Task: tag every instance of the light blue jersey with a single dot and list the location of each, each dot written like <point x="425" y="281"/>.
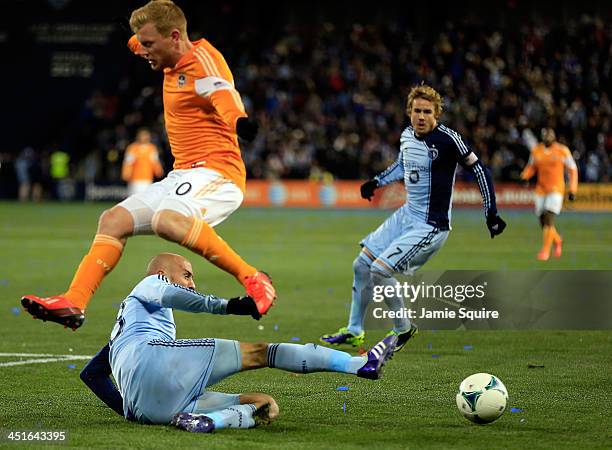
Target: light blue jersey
<point x="415" y="232"/>
<point x="156" y="374"/>
<point x="426" y="165"/>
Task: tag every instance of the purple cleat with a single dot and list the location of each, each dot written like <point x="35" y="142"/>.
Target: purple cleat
<point x="377" y="357"/>
<point x="194" y="423"/>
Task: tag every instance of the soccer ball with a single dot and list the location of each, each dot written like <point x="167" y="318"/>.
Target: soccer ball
<point x="482" y="398"/>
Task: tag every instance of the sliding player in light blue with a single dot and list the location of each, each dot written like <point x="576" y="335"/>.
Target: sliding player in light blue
<point x="427" y="160"/>
<point x="163" y="380"/>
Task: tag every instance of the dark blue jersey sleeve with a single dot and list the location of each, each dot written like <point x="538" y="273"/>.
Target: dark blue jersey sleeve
<point x="485" y="184"/>
<point x="468" y="159"/>
<point x="96" y="375"/>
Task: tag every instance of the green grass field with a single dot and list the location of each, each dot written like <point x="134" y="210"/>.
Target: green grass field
<point x="565" y="404"/>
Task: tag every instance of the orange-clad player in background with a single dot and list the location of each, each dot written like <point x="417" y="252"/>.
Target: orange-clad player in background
<point x="141" y="163"/>
<point x="549" y="160"/>
<point x="204" y="116"/>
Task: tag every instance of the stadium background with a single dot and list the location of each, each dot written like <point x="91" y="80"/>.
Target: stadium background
<point x="327" y="83"/>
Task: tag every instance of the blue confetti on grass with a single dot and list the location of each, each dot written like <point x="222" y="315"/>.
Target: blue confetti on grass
<point x="295" y="338"/>
<point x="429" y="346"/>
<point x="435" y="356"/>
<point x="330" y="291"/>
<point x="468" y="347"/>
<point x="342" y="388"/>
<point x="344" y="407"/>
<point x="275" y="327"/>
<point x="71" y="366"/>
<point x="4" y="282"/>
<point x="16" y="311"/>
<point x="516" y="410"/>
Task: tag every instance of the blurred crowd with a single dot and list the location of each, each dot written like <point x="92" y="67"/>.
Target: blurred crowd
<point x="333" y="99"/>
<point x="330" y="99"/>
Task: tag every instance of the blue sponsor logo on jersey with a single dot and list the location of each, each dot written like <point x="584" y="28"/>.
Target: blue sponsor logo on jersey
<point x="417" y="167"/>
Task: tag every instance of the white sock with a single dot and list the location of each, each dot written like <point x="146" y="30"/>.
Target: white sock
<point x="239" y="416"/>
<point x="312" y="358"/>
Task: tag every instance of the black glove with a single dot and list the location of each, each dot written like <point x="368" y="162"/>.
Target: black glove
<point x="243" y="306"/>
<point x="246" y="129"/>
<point x="368" y="188"/>
<point x="571" y="197"/>
<point x="495" y="224"/>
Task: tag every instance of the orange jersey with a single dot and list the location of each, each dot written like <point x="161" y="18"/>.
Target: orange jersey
<point x="550" y="163"/>
<point x="201" y="107"/>
<point x="141" y="163"/>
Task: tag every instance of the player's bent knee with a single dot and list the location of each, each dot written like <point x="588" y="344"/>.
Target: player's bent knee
<point x="171" y="225"/>
<point x="361" y="266"/>
<point x="116" y="222"/>
<point x="381" y="270"/>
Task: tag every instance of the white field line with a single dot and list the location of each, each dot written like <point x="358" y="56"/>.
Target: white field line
<point x="36" y="358"/>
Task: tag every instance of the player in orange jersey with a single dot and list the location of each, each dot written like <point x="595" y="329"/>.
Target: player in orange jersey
<point x="549" y="160"/>
<point x="204" y="116"/>
<point x="141" y="163"/>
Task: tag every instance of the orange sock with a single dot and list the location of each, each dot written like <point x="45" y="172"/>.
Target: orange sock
<point x="103" y="256"/>
<point x="203" y="240"/>
<point x="556" y="235"/>
<point x="547" y="238"/>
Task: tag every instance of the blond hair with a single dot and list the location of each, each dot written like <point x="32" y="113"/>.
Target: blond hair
<point x="164" y="14"/>
<point x="427" y="93"/>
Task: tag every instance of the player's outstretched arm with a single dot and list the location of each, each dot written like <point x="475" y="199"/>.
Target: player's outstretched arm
<point x="572" y="170"/>
<point x="393" y="173"/>
<point x="495" y="224"/>
<point x="96" y="375"/>
<point x="530" y="169"/>
<point x="159" y="291"/>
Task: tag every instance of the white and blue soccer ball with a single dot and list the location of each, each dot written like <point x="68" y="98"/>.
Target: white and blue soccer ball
<point x="482" y="398"/>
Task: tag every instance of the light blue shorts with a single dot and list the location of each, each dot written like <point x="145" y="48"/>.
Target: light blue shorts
<point x="169" y="377"/>
<point x="403" y="242"/>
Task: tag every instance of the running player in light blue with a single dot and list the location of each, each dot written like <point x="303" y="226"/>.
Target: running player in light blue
<point x="163" y="380"/>
<point x="427" y="160"/>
